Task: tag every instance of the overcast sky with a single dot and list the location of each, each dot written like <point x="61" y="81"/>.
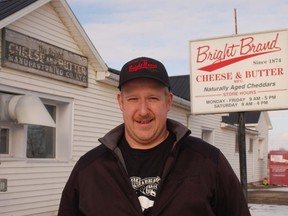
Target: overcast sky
<point x="124" y="29"/>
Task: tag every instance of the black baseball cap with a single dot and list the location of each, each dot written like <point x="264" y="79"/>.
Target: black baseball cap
<point x="143" y="67"/>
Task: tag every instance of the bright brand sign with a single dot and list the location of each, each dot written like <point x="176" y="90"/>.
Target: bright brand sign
<point x="239" y="73"/>
<point x="22" y="52"/>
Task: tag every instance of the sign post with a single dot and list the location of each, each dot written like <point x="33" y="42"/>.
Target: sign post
<point x="242" y="139"/>
<point x="242" y="152"/>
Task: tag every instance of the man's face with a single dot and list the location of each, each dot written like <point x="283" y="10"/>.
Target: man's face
<point x="145" y="104"/>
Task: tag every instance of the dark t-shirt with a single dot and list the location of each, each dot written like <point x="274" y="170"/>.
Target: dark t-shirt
<point x="145" y="169"/>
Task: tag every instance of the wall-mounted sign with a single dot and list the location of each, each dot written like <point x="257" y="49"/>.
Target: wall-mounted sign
<point x="239" y="73"/>
<point x="28" y="54"/>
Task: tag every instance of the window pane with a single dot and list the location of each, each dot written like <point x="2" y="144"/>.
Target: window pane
<point x="41" y="139"/>
<point x="4" y="140"/>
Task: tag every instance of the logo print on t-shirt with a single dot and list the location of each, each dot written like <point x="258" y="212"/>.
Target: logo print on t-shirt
<point x="147" y="188"/>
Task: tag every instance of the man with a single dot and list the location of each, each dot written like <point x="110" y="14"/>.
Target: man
<point x="150" y="165"/>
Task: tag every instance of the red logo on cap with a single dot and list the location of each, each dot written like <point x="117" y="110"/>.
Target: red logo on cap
<point x="142" y="65"/>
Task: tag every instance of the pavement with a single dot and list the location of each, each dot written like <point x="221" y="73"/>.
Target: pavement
<point x="271" y="195"/>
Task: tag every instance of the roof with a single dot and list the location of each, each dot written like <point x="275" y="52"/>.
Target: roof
<point x="9" y="7"/>
<point x="12" y="10"/>
<point x="180" y="86"/>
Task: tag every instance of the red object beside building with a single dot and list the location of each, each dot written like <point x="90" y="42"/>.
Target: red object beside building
<point x="278" y="167"/>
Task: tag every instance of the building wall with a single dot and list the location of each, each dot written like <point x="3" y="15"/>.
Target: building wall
<point x="259" y="157"/>
<point x="35" y="185"/>
<point x="178" y="114"/>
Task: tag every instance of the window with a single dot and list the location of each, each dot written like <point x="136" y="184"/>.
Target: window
<point x="4" y="140"/>
<point x="37" y="142"/>
<point x="207" y="135"/>
<point x="41" y="139"/>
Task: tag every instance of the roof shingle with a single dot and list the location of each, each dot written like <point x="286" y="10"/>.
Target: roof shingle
<point x="9" y="7"/>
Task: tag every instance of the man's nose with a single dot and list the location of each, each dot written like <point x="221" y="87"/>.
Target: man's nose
<point x="143" y="107"/>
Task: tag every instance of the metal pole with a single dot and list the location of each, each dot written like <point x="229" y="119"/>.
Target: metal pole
<point x="235" y="21"/>
<point x="242" y="152"/>
<point x="241" y="138"/>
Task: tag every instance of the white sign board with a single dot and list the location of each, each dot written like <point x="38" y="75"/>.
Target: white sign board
<point x="239" y="73"/>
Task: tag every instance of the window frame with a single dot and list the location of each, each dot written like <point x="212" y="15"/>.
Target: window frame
<point x="63" y="133"/>
<point x="207" y="134"/>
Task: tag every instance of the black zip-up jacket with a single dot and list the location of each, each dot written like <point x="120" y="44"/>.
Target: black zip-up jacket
<point x="197" y="180"/>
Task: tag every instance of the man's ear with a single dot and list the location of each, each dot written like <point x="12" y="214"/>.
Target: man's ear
<point x="119" y="98"/>
<point x="170" y="100"/>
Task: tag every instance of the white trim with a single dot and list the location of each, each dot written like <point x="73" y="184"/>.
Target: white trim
<point x="78" y="33"/>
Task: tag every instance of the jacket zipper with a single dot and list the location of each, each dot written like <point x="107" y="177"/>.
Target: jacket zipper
<point x="117" y="153"/>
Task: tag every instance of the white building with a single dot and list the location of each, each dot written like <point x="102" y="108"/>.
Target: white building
<point x="45" y="54"/>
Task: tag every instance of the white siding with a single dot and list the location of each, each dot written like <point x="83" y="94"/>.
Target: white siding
<point x="179" y="115"/>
